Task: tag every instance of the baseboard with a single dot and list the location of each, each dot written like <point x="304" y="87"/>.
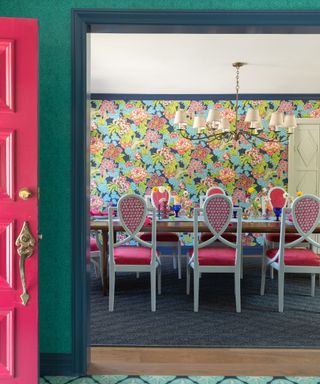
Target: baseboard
<point x="56" y="364"/>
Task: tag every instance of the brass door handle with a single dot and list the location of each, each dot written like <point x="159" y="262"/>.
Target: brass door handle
<point x="25" y="193"/>
<point x="25" y="247"/>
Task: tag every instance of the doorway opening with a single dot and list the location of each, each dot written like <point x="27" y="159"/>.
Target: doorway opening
<point x="158" y="22"/>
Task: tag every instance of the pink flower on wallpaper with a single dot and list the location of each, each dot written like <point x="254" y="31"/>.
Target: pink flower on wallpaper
<point x="129" y="105"/>
<point x="123" y="124"/>
<point x="96" y="145"/>
<point x="138" y="156"/>
<point x="151" y="137"/>
<point x="138" y="115"/>
<point x="157" y="122"/>
<point x="255" y="155"/>
<point x="200" y="152"/>
<point x="218" y="105"/>
<point x="284" y="153"/>
<point x="156" y="181"/>
<point x="167" y="155"/>
<point x="173" y="135"/>
<point x="227" y="175"/>
<point x="129" y="164"/>
<point x="214" y="144"/>
<point x="108" y="165"/>
<point x="169" y="113"/>
<point x="272" y="147"/>
<point x="285" y="106"/>
<point x="226" y="156"/>
<point x="315" y="113"/>
<point x="182" y="185"/>
<point x="93" y="126"/>
<point x="256" y="102"/>
<point x="257" y="174"/>
<point x="195" y="166"/>
<point x="209" y="181"/>
<point x="122" y="183"/>
<point x="244" y="182"/>
<point x="112" y="152"/>
<point x="217" y="165"/>
<point x="195" y="106"/>
<point x="125" y="144"/>
<point x="169" y="173"/>
<point x="229" y="114"/>
<point x="182" y="146"/>
<point x="96" y="202"/>
<point x="109" y="106"/>
<point x="282" y="168"/>
<point x="93" y="184"/>
<point x="238" y="196"/>
<point x="138" y="174"/>
<point x="307" y="106"/>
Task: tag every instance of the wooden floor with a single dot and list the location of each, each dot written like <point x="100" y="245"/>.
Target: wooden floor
<point x="204" y="361"/>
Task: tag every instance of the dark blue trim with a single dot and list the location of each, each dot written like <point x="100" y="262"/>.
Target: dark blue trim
<point x="56" y="364"/>
<point x="122" y="20"/>
<point x="215" y="97"/>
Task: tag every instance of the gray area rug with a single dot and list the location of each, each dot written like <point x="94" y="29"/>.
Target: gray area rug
<point x="216" y="324"/>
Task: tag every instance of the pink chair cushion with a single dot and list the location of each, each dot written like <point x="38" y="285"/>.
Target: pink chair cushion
<point x="161" y="236"/>
<point x="93" y="245"/>
<point x="228" y="236"/>
<point x="302" y="257"/>
<point x="132" y="255"/>
<point x="275" y="237"/>
<point x="215" y="191"/>
<point x="216" y="256"/>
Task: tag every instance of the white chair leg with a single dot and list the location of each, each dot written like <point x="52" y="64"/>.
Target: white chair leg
<point x="237" y="278"/>
<point x="159" y="280"/>
<point x="179" y="259"/>
<point x="280" y="290"/>
<point x="313" y="284"/>
<point x="263" y="276"/>
<point x="188" y="279"/>
<point x="195" y="290"/>
<point x="138" y="275"/>
<point x="153" y="289"/>
<point x="112" y="278"/>
<point x="271" y="272"/>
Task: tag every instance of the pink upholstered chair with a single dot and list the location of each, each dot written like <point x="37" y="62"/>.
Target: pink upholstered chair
<point x="288" y="258"/>
<point x="132" y="211"/>
<point x="165" y="239"/>
<point x="277" y="199"/>
<point x="217" y="214"/>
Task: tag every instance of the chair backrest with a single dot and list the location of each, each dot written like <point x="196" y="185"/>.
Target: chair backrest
<point x="277" y="197"/>
<point x="211" y="191"/>
<point x="157" y="196"/>
<point x="217" y="214"/>
<point x="132" y="212"/>
<point x="305" y="213"/>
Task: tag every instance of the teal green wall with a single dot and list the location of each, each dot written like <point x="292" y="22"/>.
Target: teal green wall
<point x="55" y="140"/>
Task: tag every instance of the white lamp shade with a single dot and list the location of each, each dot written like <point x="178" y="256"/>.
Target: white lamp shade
<point x="257" y="125"/>
<point x="213" y="115"/>
<point x="224" y="125"/>
<point x="252" y="116"/>
<point x="276" y="119"/>
<point x="180" y="117"/>
<point x="290" y="121"/>
<point x="199" y="122"/>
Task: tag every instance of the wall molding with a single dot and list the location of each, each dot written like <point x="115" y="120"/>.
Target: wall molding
<point x="56" y="364"/>
<point x="215" y="97"/>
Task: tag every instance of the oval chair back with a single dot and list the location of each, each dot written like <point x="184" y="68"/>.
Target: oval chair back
<point x="277" y="198"/>
<point x="157" y="196"/>
<point x="211" y="191"/>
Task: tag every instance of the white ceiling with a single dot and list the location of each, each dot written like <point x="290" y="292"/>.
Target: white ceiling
<point x="201" y="63"/>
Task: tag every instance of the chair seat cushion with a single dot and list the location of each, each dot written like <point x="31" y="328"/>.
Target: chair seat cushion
<point x="275" y="237"/>
<point x="216" y="256"/>
<point x="161" y="236"/>
<point x="93" y="245"/>
<point x="132" y="255"/>
<point x="293" y="256"/>
<point x="228" y="236"/>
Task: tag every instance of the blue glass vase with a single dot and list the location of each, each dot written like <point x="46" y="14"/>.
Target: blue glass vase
<point x="176" y="208"/>
<point x="277" y="212"/>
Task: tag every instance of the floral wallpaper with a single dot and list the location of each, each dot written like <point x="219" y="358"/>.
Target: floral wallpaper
<point x="134" y="147"/>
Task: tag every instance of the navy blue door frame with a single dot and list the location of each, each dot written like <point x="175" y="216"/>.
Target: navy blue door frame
<point x="136" y="21"/>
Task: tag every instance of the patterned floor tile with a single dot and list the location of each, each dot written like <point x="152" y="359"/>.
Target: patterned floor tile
<point x="178" y="380"/>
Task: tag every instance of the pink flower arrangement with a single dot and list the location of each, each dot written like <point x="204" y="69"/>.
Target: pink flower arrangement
<point x="227" y="175"/>
<point x="138" y="115"/>
<point x="182" y="146"/>
<point x="138" y="174"/>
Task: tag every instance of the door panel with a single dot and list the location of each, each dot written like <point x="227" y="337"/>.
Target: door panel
<point x="18" y="170"/>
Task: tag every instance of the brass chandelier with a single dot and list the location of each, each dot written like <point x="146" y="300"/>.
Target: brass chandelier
<point x="214" y="127"/>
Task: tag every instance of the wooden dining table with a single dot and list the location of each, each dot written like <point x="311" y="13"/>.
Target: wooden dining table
<point x="181" y="226"/>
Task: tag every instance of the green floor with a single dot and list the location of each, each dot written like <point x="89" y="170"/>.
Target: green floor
<point x="178" y="380"/>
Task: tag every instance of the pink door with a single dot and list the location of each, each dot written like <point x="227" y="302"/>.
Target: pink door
<point x="18" y="201"/>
